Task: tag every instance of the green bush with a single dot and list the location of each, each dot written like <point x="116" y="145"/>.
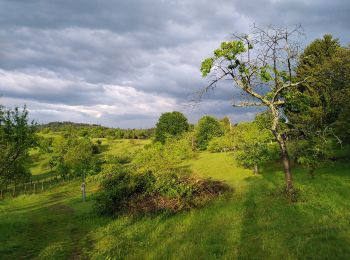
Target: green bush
<point x="125" y="190"/>
<point x="221" y="144"/>
<point x="118" y="189"/>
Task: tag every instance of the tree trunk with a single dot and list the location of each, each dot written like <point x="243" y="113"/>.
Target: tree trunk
<point x="286" y="163"/>
<point x="256" y="169"/>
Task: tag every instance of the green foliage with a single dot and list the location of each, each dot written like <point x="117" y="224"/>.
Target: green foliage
<point x="127" y="190"/>
<point x="17" y="136"/>
<point x="207" y="64"/>
<point x="170" y="124"/>
<point x="75" y="155"/>
<point x="124" y="157"/>
<point x="208" y="127"/>
<point x="254" y="143"/>
<point x="321" y="102"/>
<point x="226" y="124"/>
<point x="119" y="188"/>
<point x="158" y="158"/>
<point x="96" y="131"/>
<point x="45" y="144"/>
<point x="265" y="74"/>
<point x="227" y="51"/>
<point x="313" y="152"/>
<point x="222" y="144"/>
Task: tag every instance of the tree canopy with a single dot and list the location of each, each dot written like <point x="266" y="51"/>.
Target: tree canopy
<point x="208" y="127"/>
<point x="171" y="124"/>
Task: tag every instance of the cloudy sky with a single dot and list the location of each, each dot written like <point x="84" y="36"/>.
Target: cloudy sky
<point x="123" y="63"/>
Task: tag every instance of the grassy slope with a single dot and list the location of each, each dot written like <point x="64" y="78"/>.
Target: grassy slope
<point x="254" y="222"/>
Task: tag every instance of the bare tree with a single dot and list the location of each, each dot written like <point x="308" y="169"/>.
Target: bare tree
<point x="261" y="64"/>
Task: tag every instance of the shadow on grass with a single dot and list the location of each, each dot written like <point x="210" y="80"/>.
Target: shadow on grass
<point x="315" y="227"/>
<point x="53" y="229"/>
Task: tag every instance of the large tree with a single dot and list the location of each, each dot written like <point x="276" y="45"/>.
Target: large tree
<point x="321" y="103"/>
<point x="171" y="124"/>
<point x="260" y="64"/>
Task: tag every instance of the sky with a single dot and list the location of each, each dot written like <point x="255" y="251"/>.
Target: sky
<point x="123" y="63"/>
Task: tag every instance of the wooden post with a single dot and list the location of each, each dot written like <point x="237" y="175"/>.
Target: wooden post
<point x="34" y="188"/>
<point x="83" y="191"/>
<point x="42" y="185"/>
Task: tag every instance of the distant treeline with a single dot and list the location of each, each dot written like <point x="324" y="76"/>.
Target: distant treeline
<point x="96" y="131"/>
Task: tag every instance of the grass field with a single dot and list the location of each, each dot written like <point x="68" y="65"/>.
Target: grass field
<point x="254" y="222"/>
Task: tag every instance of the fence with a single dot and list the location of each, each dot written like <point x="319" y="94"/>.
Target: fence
<point x="32" y="187"/>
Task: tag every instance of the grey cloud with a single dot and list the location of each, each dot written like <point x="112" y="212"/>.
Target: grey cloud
<point x="66" y="57"/>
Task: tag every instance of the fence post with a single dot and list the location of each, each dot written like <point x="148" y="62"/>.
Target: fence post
<point x="34" y="188"/>
<point x="42" y="185"/>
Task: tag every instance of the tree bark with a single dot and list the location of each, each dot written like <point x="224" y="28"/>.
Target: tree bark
<point x="286" y="163"/>
<point x="256" y="169"/>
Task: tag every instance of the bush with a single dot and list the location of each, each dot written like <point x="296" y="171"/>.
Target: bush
<point x="118" y="189"/>
<point x="221" y="144"/>
<point x="129" y="191"/>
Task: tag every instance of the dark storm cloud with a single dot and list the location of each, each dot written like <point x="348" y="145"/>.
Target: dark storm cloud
<point x="125" y="62"/>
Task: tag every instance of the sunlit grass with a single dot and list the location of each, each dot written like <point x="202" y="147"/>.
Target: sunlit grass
<point x="255" y="221"/>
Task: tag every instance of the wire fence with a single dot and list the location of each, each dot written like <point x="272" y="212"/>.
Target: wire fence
<point x="32" y="187"/>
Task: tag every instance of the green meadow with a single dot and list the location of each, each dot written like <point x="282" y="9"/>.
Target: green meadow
<point x="255" y="221"/>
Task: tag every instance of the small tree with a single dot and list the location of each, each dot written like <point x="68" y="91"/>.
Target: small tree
<point x="171" y="124"/>
<point x="253" y="144"/>
<point x="261" y="66"/>
<point x="312" y="152"/>
<point x="17" y="136"/>
<point x="208" y="128"/>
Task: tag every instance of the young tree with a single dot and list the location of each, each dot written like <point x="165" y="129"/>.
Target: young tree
<point x="261" y="66"/>
<point x="208" y="127"/>
<point x="17" y="136"/>
<point x="253" y="145"/>
<point x="171" y="124"/>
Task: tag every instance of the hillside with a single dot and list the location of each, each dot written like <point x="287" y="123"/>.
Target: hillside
<point x="255" y="221"/>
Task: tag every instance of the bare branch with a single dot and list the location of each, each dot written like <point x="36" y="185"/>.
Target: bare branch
<point x="248" y="104"/>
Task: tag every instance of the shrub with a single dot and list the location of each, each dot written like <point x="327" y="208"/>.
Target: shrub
<point x="221" y="144"/>
<point x="119" y="188"/>
<point x="125" y="190"/>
